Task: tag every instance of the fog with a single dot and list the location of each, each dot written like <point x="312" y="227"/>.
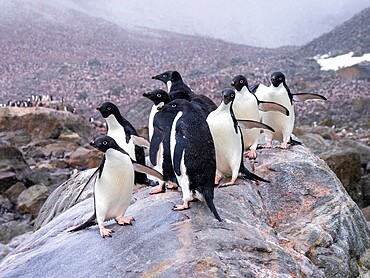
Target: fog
<point x="265" y="23"/>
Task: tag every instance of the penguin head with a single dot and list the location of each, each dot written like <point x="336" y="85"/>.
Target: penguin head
<point x="164" y="77"/>
<point x="103" y="143"/>
<point x="277" y="78"/>
<point x="175" y="106"/>
<point x="239" y="81"/>
<point x="107" y="109"/>
<point x="175" y="76"/>
<point x="228" y="95"/>
<point x="158" y="96"/>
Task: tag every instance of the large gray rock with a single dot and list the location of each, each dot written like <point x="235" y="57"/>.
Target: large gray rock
<point x="302" y="224"/>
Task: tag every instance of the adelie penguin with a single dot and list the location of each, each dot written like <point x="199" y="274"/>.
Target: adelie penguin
<point x="159" y="137"/>
<point x="177" y="89"/>
<point x="246" y="106"/>
<point x="193" y="153"/>
<point x="228" y="140"/>
<point x="279" y="92"/>
<point x="114" y="182"/>
<point x="122" y="131"/>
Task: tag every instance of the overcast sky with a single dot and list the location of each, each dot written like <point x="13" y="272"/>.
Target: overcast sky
<point x="266" y="23"/>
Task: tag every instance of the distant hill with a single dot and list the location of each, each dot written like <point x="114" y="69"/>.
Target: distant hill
<point x="352" y="35"/>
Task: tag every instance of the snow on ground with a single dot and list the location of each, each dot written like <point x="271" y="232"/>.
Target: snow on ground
<point x="341" y="61"/>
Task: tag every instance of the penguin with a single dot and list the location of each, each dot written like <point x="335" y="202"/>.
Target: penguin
<point x="123" y="133"/>
<point x="174" y="82"/>
<point x="113" y="187"/>
<point x="159" y="98"/>
<point x="246" y="106"/>
<point x="279" y="92"/>
<point x="192" y="153"/>
<point x="160" y="157"/>
<point x="177" y="89"/>
<point x="228" y="139"/>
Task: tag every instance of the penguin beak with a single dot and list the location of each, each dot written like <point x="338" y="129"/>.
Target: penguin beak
<point x="98" y="108"/>
<point x="160" y="108"/>
<point x="155" y="77"/>
<point x="145" y="94"/>
<point x="92" y="143"/>
<point x="232" y="83"/>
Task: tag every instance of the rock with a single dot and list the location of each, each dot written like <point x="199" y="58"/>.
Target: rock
<point x="50" y="123"/>
<point x="5" y="204"/>
<point x="13" y="192"/>
<point x="347" y="166"/>
<point x="41" y="175"/>
<point x="32" y="199"/>
<point x="366" y="212"/>
<point x="86" y="158"/>
<point x="365" y="185"/>
<point x="4" y="250"/>
<point x="302" y="224"/>
<point x="13" y="228"/>
<point x="13" y="167"/>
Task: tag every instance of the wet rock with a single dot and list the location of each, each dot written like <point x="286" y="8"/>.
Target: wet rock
<point x="302" y="224"/>
<point x="32" y="199"/>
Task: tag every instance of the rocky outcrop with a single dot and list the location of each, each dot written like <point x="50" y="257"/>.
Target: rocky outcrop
<point x="302" y="224"/>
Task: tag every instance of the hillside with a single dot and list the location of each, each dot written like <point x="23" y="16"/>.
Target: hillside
<point x="352" y="35"/>
<point x="92" y="61"/>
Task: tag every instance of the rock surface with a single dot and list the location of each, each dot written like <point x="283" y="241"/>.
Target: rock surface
<point x="302" y="224"/>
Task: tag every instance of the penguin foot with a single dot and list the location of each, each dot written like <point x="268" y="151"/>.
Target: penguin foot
<point x="251" y="154"/>
<point x="180" y="207"/>
<point x="171" y="185"/>
<point x="217" y="180"/>
<point x="230" y="183"/>
<point x="268" y="145"/>
<point x="283" y="145"/>
<point x="161" y="189"/>
<point x="104" y="232"/>
<point x="124" y="221"/>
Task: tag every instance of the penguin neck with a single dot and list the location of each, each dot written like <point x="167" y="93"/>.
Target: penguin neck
<point x="223" y="107"/>
<point x="244" y="90"/>
<point x="169" y="84"/>
<point x="113" y="123"/>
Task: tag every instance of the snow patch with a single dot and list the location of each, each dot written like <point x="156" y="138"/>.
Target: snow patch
<point x="341" y="61"/>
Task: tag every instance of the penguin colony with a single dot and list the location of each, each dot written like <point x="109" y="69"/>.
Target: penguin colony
<point x="193" y="144"/>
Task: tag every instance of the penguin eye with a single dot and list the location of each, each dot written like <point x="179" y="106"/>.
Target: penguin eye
<point x="105" y="143"/>
<point x="241" y="81"/>
<point x="109" y="108"/>
<point x="280" y="78"/>
<point x="174" y="105"/>
<point x="159" y="95"/>
<point x="164" y="75"/>
<point x="232" y="95"/>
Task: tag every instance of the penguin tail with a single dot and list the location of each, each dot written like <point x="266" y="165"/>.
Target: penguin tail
<point x="246" y="174"/>
<point x="208" y="197"/>
<point x="90" y="222"/>
<point x="293" y="142"/>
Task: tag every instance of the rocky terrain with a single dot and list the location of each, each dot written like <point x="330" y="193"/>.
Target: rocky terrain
<point x="93" y="61"/>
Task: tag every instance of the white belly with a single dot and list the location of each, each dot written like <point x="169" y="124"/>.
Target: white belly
<point x="282" y="124"/>
<point x="117" y="132"/>
<point x="153" y="111"/>
<point x="228" y="145"/>
<point x="113" y="191"/>
<point x="246" y="108"/>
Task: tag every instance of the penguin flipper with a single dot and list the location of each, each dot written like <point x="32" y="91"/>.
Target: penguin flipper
<point x="157" y="138"/>
<point x="140" y="141"/>
<point x="266" y="106"/>
<point x="306" y="96"/>
<point x="294" y="142"/>
<point x="94" y="175"/>
<point x="246" y="174"/>
<point x="90" y="222"/>
<point x="248" y="124"/>
<point x="253" y="88"/>
<point x="147" y="170"/>
<point x="177" y="157"/>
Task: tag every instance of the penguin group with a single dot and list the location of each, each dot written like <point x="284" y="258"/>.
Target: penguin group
<point x="193" y="143"/>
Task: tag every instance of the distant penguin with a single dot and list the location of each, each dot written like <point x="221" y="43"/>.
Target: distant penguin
<point x="177" y="89"/>
<point x="279" y="92"/>
<point x="228" y="140"/>
<point x="124" y="134"/>
<point x="246" y="106"/>
<point x="193" y="153"/>
<point x="114" y="182"/>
